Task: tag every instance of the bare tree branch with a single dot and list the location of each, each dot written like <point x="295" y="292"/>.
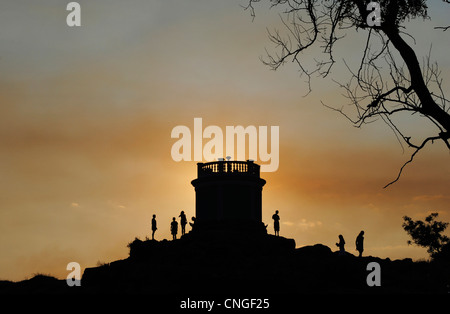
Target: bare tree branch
<point x="418" y="148"/>
<point x="389" y="80"/>
<point x="444" y="28"/>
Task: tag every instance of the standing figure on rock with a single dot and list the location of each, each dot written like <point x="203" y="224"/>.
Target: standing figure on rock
<point x="276" y="223"/>
<point x="360" y="243"/>
<point x="153" y="227"/>
<point x="174" y="228"/>
<point x="183" y="222"/>
<point x="341" y="245"/>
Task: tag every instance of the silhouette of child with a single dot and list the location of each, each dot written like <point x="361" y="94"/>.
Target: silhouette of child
<point x="153" y="227"/>
<point x="192" y="224"/>
<point x="174" y="228"/>
<point x="341" y="245"/>
<point x="276" y="223"/>
<point x="183" y="222"/>
<point x="360" y="243"/>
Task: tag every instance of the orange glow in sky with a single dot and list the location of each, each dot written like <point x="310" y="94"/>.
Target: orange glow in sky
<point x="87" y="114"/>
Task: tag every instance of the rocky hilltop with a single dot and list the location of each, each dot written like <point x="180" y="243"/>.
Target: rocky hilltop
<point x="215" y="262"/>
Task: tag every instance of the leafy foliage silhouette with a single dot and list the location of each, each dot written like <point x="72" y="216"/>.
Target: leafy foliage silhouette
<point x="427" y="233"/>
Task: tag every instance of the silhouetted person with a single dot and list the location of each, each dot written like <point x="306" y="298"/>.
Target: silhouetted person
<point x="341" y="245"/>
<point x="360" y="243"/>
<point x="153" y="227"/>
<point x="192" y="224"/>
<point x="174" y="228"/>
<point x="183" y="222"/>
<point x="276" y="223"/>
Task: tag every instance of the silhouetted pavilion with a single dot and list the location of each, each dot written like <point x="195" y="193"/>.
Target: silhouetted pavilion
<point x="228" y="195"/>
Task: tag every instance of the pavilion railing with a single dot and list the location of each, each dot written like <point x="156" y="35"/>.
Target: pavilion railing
<point x="228" y="167"/>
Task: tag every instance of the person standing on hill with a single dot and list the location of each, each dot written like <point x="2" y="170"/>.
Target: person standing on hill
<point x="341" y="245"/>
<point x="183" y="222"/>
<point x="174" y="228"/>
<point x="276" y="223"/>
<point x="360" y="243"/>
<point x="153" y="227"/>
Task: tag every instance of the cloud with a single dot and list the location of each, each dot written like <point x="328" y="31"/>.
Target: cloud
<point x="422" y="215"/>
<point x="116" y="205"/>
<point x="75" y="204"/>
<point x="303" y="224"/>
<point x="371" y="206"/>
<point x="429" y="197"/>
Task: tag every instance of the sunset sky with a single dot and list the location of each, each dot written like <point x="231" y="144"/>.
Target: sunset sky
<point x="87" y="112"/>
